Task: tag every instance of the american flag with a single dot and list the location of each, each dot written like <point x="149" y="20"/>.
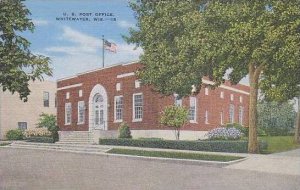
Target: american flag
<point x="112" y="47"/>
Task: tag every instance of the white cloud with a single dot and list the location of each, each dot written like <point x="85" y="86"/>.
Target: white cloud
<point x="40" y="22"/>
<point x="85" y="53"/>
<point x="125" y="24"/>
<point x="82" y="43"/>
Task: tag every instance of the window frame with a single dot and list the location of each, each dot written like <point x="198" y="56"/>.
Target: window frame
<point x="22" y="122"/>
<point x="66" y="114"/>
<point x="46" y="101"/>
<point x="194" y="101"/>
<point x="134" y="107"/>
<point x="231" y="117"/>
<point x="177" y="102"/>
<point x="241" y="115"/>
<point x="115" y="109"/>
<point x="206" y="91"/>
<point x="221" y="117"/>
<point x="80" y="103"/>
<point x="206" y="117"/>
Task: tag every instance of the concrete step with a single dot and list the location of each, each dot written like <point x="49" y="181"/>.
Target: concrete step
<point x="61" y="147"/>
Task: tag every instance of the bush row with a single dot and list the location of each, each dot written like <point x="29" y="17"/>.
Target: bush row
<point x="239" y="146"/>
<point x="40" y="139"/>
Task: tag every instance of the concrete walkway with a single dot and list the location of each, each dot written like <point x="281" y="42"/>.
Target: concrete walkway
<point x="279" y="163"/>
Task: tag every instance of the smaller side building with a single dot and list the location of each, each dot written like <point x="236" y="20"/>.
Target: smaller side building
<point x="14" y="113"/>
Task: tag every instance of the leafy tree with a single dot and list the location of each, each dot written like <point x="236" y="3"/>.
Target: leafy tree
<point x="18" y="65"/>
<point x="49" y="121"/>
<point x="186" y="40"/>
<point x="174" y="117"/>
<point x="276" y="118"/>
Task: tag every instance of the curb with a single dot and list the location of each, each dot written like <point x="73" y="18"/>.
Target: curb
<point x="145" y="158"/>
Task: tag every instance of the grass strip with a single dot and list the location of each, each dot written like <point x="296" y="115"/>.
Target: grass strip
<point x="279" y="144"/>
<point x="177" y="155"/>
<point x="4" y="144"/>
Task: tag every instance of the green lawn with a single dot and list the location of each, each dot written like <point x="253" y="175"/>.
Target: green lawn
<point x="279" y="143"/>
<point x="178" y="155"/>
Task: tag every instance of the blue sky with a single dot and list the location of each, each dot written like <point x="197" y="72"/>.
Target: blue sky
<point x="76" y="46"/>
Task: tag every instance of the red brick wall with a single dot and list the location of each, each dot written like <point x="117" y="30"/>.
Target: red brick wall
<point x="153" y="102"/>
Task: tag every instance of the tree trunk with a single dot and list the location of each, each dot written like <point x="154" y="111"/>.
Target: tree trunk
<point x="252" y="141"/>
<point x="297" y="124"/>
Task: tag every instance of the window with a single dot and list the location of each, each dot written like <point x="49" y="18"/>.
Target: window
<point x="231" y="113"/>
<point x="206" y="117"/>
<point x="137" y="107"/>
<point x="68" y="113"/>
<point x="241" y="115"/>
<point x="46" y="99"/>
<point x="80" y="93"/>
<point x="222" y="95"/>
<point x="137" y="83"/>
<point x="22" y="125"/>
<point x="118" y="86"/>
<point x="118" y="108"/>
<point x="231" y="97"/>
<point x="67" y="95"/>
<point x="178" y="100"/>
<point x="192" y="111"/>
<point x="81" y="109"/>
<point x="206" y="91"/>
<point x="221" y="118"/>
<point x="241" y="99"/>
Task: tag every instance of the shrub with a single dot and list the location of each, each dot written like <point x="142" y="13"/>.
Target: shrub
<point x="223" y="133"/>
<point x="240" y="146"/>
<point x="37" y="132"/>
<point x="244" y="130"/>
<point x="48" y="121"/>
<point x="124" y="131"/>
<point x="14" y="134"/>
<point x="40" y="139"/>
<point x="174" y="117"/>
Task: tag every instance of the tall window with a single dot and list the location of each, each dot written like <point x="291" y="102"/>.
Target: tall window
<point x="221" y="118"/>
<point x="192" y="111"/>
<point x="118" y="108"/>
<point x="81" y="112"/>
<point x="68" y="113"/>
<point x="241" y="115"/>
<point x="206" y="117"/>
<point x="46" y="99"/>
<point x="231" y="113"/>
<point x="137" y="107"/>
<point x="178" y="100"/>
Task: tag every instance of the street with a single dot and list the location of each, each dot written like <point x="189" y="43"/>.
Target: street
<point x="37" y="169"/>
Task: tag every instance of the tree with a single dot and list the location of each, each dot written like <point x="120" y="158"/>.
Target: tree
<point x="174" y="117"/>
<point x="276" y="118"/>
<point x="186" y="40"/>
<point x="18" y="64"/>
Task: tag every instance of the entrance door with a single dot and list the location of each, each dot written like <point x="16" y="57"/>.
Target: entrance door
<point x="99" y="109"/>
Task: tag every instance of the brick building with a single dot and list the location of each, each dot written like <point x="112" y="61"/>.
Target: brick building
<point x="99" y="100"/>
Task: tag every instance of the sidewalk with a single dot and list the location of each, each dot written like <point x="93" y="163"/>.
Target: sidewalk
<point x="279" y="163"/>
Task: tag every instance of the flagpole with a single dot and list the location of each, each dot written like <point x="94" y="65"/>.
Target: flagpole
<point x="103" y="51"/>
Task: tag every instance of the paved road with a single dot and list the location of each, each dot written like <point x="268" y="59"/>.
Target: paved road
<point x="36" y="169"/>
